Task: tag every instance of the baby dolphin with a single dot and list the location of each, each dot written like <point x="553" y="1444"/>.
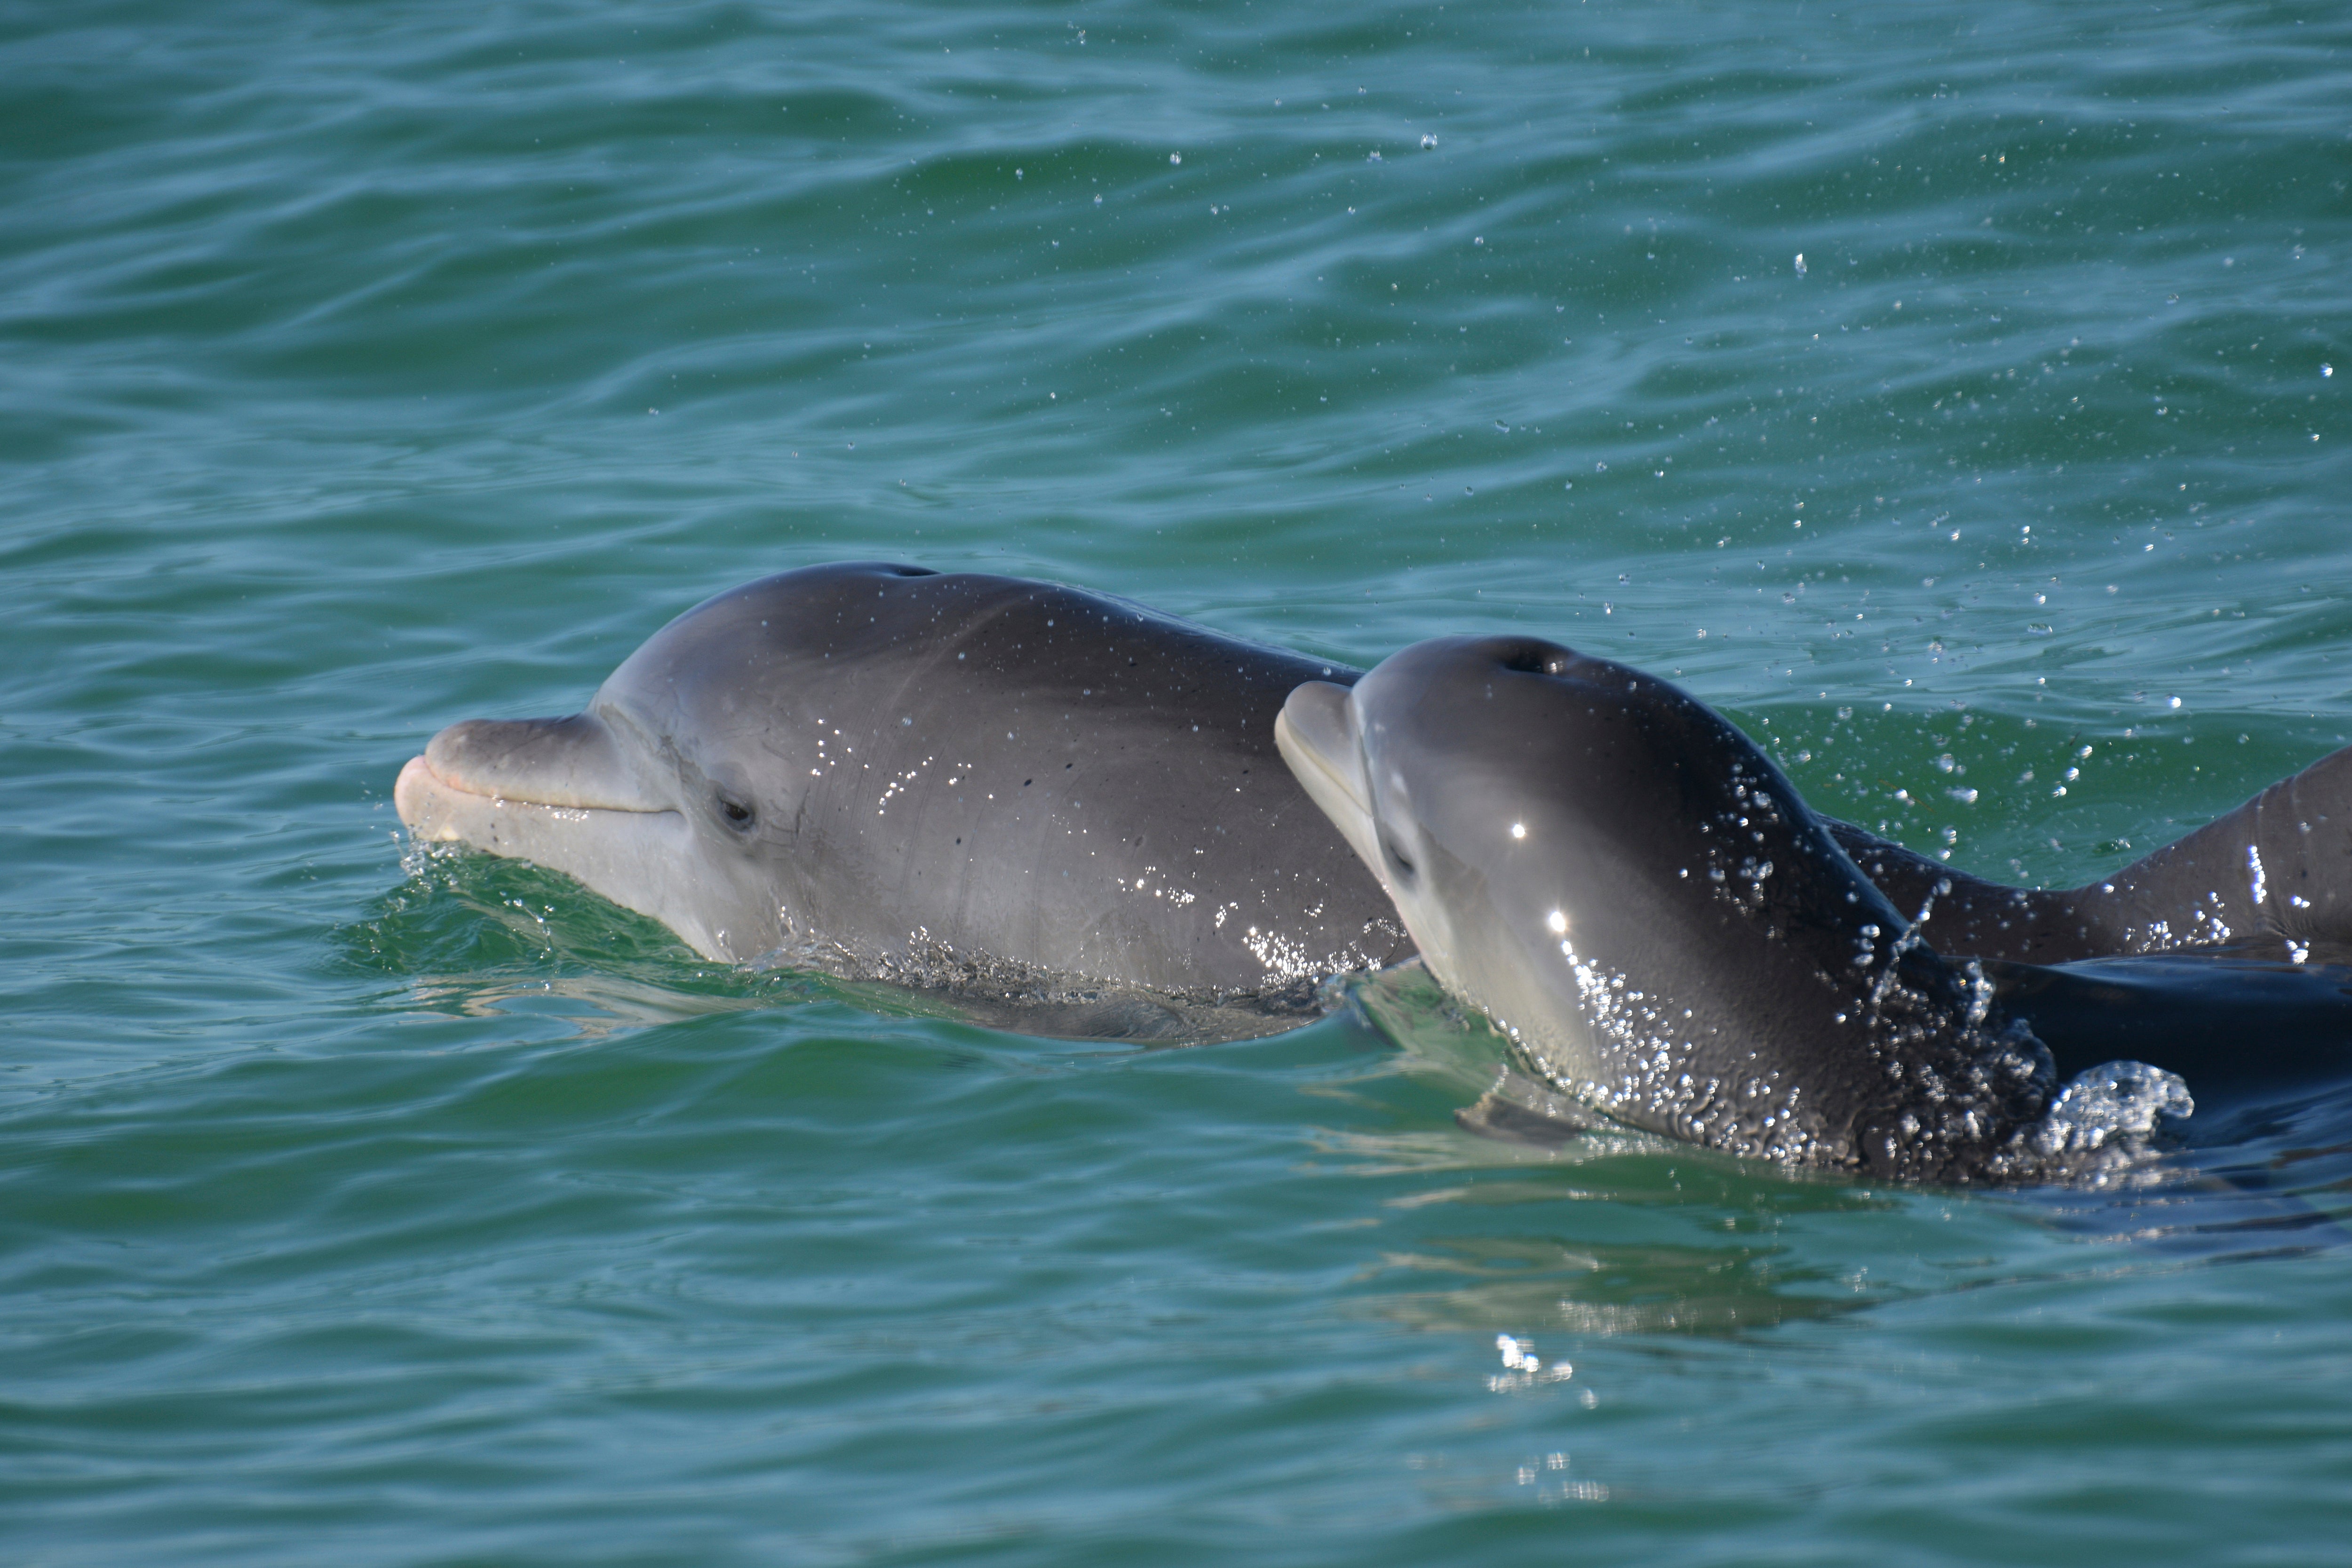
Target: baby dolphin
<point x="1644" y="901"/>
<point x="940" y="779"/>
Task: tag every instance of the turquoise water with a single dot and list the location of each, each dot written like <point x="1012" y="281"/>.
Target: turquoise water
<point x="369" y="368"/>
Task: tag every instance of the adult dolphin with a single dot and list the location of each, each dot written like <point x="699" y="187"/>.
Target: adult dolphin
<point x="2273" y="879"/>
<point x="956" y="780"/>
<point x="1643" y="901"/>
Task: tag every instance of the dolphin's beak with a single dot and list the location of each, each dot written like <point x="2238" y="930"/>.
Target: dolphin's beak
<point x="483" y="767"/>
<point x="1315" y="732"/>
<point x="564" y="794"/>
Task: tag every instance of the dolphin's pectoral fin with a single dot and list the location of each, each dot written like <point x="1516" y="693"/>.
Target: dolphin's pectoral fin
<point x="1519" y="1110"/>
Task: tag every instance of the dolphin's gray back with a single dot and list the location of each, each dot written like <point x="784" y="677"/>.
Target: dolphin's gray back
<point x="2272" y="879"/>
<point x="995" y="771"/>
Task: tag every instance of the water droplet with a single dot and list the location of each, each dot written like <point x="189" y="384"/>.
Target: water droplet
<point x="1428" y="140"/>
<point x="1800" y="264"/>
<point x="1175" y="157"/>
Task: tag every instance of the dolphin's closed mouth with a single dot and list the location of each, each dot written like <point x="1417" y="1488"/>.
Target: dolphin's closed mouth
<point x="436" y="807"/>
<point x="418" y="776"/>
<point x="1316" y="733"/>
<point x="1314" y="726"/>
<point x="572" y="761"/>
<point x="556" y="792"/>
<point x="483" y="764"/>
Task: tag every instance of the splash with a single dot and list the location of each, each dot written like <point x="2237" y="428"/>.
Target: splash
<point x="2108" y="1114"/>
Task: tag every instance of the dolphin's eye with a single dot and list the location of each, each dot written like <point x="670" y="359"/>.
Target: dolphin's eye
<point x="737" y="813"/>
<point x="1396" y="858"/>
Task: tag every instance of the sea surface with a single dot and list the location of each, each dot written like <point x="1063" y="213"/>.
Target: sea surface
<point x="1954" y="394"/>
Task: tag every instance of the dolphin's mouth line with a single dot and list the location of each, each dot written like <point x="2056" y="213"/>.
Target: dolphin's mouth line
<point x="1288" y="740"/>
<point x="508" y="797"/>
<point x="1325" y="753"/>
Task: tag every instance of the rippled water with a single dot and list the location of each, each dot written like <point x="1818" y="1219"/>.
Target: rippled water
<point x="368" y="368"/>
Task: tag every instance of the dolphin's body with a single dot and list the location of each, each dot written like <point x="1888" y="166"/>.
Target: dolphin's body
<point x="1639" y="895"/>
<point x="2272" y="879"/>
<point x="954" y="779"/>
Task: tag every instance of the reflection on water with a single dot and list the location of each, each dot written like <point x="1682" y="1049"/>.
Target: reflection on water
<point x="1439" y="1038"/>
<point x="1528" y="1282"/>
<point x="596" y="1005"/>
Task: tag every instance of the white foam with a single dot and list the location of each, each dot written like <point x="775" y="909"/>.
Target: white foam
<point x="2111" y="1104"/>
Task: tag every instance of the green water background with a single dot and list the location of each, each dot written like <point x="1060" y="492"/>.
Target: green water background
<point x="366" y="368"/>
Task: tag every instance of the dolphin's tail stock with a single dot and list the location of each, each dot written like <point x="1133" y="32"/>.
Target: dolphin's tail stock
<point x="2271" y="879"/>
